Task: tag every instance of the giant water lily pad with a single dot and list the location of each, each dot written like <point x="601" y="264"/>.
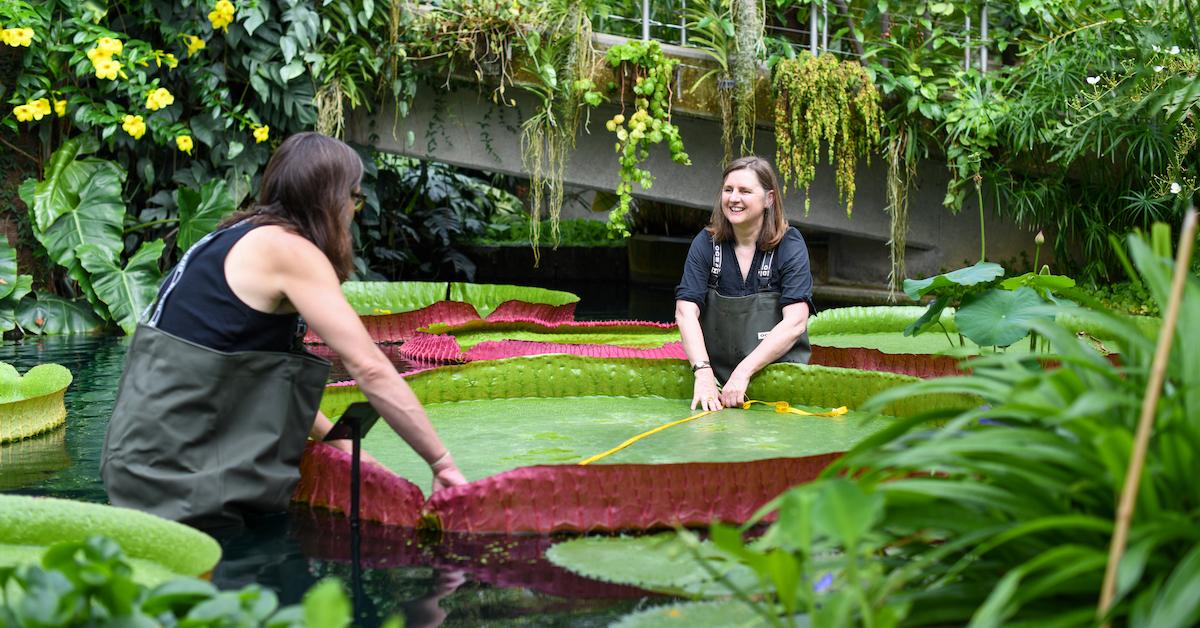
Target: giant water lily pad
<point x="33" y="403"/>
<point x="539" y="416"/>
<point x="30" y="524"/>
<point x="380" y="297"/>
<point x="615" y="333"/>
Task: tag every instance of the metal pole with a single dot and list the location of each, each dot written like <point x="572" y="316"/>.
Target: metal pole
<point x="645" y="20"/>
<point x="812" y="29"/>
<point x="983" y="38"/>
<point x="355" y="534"/>
<point x="825" y="25"/>
<point x="967" y="45"/>
<point x="683" y="23"/>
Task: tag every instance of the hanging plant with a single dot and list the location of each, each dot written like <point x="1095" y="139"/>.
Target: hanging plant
<point x="823" y="99"/>
<point x="560" y="69"/>
<point x="710" y="29"/>
<point x="748" y="22"/>
<point x="649" y="72"/>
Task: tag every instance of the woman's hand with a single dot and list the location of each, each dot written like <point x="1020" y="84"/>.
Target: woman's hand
<point x="733" y="394"/>
<point x="446" y="473"/>
<point x="704" y="391"/>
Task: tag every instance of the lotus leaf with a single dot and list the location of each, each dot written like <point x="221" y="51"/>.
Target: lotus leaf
<point x="999" y="317"/>
<point x="981" y="272"/>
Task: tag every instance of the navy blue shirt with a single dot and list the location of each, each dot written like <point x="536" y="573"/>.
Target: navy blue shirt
<point x="790" y="275"/>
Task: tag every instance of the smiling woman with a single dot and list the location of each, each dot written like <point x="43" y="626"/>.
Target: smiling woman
<point x="738" y="313"/>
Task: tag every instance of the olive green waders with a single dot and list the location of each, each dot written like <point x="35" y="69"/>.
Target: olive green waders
<point x="204" y="436"/>
<point x="734" y="326"/>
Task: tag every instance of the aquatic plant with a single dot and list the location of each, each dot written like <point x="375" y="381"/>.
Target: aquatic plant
<point x="33" y="403"/>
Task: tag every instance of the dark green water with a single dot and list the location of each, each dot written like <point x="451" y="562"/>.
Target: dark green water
<point x="452" y="581"/>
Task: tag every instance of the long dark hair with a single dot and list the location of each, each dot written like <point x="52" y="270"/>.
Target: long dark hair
<point x="775" y="222"/>
<point x="306" y="189"/>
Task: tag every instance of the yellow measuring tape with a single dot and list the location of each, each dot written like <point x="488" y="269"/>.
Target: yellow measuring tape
<point x="780" y="406"/>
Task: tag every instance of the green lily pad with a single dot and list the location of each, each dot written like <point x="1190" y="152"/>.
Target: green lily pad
<point x="696" y="615"/>
<point x="487" y="297"/>
<point x="869" y="320"/>
<point x="999" y="317"/>
<point x="981" y="272"/>
<point x="392" y="297"/>
<point x="470" y="334"/>
<point x="931" y="317"/>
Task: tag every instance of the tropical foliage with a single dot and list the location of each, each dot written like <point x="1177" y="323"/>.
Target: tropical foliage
<point x="998" y="515"/>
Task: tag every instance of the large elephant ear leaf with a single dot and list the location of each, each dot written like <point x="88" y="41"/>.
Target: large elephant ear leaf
<point x="94" y="214"/>
<point x="8" y="268"/>
<point x="66" y="174"/>
<point x="52" y="315"/>
<point x="127" y="291"/>
<point x="9" y="304"/>
<point x="200" y="211"/>
<point x="695" y="615"/>
<point x="999" y="317"/>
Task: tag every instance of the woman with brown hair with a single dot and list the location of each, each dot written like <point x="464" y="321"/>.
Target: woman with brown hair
<point x="746" y="292"/>
<point x="218" y="396"/>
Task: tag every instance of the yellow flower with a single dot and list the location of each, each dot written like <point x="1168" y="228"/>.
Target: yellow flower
<point x="261" y="133"/>
<point x="41" y="107"/>
<point x="194" y="44"/>
<point x="184" y="142"/>
<point x="60" y="107"/>
<point x="168" y="58"/>
<point x="159" y="98"/>
<point x="109" y="46"/>
<point x="134" y="126"/>
<point x="24" y="113"/>
<point x="96" y="54"/>
<point x="222" y="16"/>
<point x="106" y="68"/>
<point x="17" y="37"/>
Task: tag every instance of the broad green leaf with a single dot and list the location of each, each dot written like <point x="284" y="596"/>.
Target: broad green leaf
<point x="65" y="176"/>
<point x="127" y="291"/>
<point x="844" y="512"/>
<point x="178" y="592"/>
<point x="1038" y="282"/>
<point x="8" y="268"/>
<point x="326" y="605"/>
<point x="94" y="214"/>
<point x="999" y="317"/>
<point x="200" y="211"/>
<point x="10" y="305"/>
<point x="981" y="272"/>
<point x="931" y="317"/>
<point x="51" y="315"/>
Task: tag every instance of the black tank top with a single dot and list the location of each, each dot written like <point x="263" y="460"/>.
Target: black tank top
<point x="204" y="310"/>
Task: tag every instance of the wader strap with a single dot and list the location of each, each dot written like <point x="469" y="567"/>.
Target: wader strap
<point x="764" y="271"/>
<point x="177" y="274"/>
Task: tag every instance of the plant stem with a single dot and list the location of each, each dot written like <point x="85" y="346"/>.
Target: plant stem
<point x="31" y="157"/>
<point x="1158" y="369"/>
<point x="152" y="223"/>
<point x="982" y="239"/>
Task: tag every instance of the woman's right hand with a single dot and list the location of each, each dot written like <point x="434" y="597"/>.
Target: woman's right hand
<point x="446" y="473"/>
<point x="704" y="391"/>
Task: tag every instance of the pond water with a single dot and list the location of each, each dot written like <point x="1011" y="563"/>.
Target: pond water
<point x="451" y="581"/>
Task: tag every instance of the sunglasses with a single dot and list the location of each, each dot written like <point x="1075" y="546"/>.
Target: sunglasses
<point x="360" y="200"/>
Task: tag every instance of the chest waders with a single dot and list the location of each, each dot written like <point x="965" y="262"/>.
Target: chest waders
<point x="734" y="326"/>
<point x="205" y="436"/>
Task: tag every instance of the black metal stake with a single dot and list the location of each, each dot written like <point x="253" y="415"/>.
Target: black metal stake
<point x="355" y="534"/>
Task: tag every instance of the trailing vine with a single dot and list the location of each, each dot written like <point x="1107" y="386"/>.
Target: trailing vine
<point x="645" y="66"/>
<point x="823" y="99"/>
<point x="710" y="29"/>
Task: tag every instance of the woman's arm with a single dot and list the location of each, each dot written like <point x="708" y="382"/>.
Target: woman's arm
<point x="704" y="389"/>
<point x="777" y="343"/>
<point x="308" y="282"/>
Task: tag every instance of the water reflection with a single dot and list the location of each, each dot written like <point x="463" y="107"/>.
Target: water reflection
<point x="452" y="581"/>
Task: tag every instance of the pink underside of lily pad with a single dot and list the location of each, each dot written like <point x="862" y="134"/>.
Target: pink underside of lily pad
<point x="546" y="499"/>
<point x="391" y="328"/>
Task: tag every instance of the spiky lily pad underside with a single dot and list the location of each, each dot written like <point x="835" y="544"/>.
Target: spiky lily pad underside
<point x="516" y="427"/>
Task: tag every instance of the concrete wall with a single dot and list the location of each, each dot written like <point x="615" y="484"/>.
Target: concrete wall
<point x="857" y="247"/>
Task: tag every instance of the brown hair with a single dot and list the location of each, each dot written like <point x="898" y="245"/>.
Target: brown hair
<point x="775" y="222"/>
<point x="305" y="189"/>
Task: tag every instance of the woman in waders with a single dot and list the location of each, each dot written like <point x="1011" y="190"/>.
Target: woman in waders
<point x="218" y="396"/>
<point x="746" y="292"/>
